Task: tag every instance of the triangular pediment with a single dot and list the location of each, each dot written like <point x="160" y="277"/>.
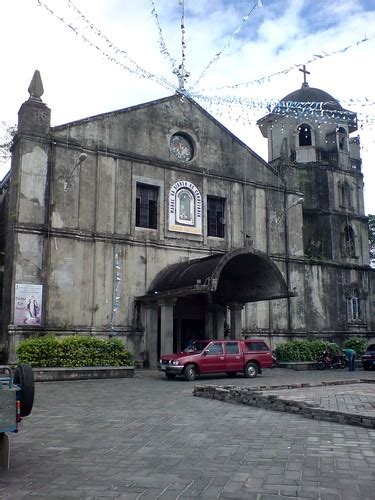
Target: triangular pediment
<point x="144" y="132"/>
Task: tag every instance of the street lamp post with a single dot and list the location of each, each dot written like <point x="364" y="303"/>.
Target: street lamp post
<point x="280" y="217"/>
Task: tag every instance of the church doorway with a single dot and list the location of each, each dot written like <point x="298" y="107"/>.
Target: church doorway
<point x="189" y="321"/>
<point x="191" y="329"/>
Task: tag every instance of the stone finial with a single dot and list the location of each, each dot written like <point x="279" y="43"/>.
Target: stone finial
<point x="34" y="117"/>
<point x="36" y="87"/>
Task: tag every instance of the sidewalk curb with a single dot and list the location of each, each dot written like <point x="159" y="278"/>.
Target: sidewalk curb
<point x="82" y="373"/>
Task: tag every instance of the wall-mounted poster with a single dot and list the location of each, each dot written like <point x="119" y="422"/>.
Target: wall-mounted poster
<point x="28" y="304"/>
<point x="185" y="208"/>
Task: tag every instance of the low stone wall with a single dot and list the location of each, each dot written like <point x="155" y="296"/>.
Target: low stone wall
<point x="255" y="397"/>
<point x="297" y="365"/>
<point x="307" y="365"/>
<point x="82" y="373"/>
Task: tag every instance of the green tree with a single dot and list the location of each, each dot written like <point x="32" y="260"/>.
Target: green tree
<point x="7" y="133"/>
<point x="371" y="237"/>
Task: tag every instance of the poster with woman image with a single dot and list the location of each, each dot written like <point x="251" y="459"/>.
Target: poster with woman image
<point x="28" y="304"/>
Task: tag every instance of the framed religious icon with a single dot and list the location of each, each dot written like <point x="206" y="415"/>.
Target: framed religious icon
<point x="185" y="208"/>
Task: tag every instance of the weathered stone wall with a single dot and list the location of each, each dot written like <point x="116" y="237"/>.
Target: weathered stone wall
<point x="73" y="227"/>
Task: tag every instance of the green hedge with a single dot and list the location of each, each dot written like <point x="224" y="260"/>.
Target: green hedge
<point x="73" y="351"/>
<point x="303" y="350"/>
<point x="358" y="344"/>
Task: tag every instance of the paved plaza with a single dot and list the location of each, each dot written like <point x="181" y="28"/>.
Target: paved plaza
<point x="149" y="438"/>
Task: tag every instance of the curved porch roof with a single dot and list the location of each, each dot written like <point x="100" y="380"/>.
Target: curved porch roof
<point x="237" y="276"/>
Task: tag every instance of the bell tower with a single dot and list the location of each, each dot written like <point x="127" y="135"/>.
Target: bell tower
<point x="309" y="138"/>
<point x="312" y="146"/>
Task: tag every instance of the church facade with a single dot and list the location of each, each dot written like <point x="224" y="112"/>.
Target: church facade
<point x="155" y="224"/>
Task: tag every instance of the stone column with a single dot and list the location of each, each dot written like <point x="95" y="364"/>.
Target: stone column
<point x="218" y="312"/>
<point x="166" y="326"/>
<point x="29" y="206"/>
<point x="235" y="320"/>
<point x="209" y="323"/>
<point x="151" y="333"/>
<point x="178" y="335"/>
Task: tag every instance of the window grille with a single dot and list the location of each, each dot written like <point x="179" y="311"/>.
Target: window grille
<point x="146" y="206"/>
<point x="215" y="217"/>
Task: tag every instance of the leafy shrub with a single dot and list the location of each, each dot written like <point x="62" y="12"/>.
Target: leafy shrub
<point x="304" y="350"/>
<point x="358" y="344"/>
<point x="73" y="351"/>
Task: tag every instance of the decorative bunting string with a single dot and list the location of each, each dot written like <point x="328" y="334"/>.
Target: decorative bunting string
<point x="234" y="105"/>
<point x="137" y="70"/>
<point x="162" y="45"/>
<point x="100" y="34"/>
<point x="274" y="103"/>
<point x="229" y="42"/>
<point x="181" y="72"/>
<point x="240" y="110"/>
<point x="315" y="57"/>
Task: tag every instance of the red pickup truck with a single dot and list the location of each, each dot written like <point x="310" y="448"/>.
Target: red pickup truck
<point x="247" y="356"/>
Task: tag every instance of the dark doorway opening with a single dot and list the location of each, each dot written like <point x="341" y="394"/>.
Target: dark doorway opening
<point x="191" y="329"/>
<point x="189" y="322"/>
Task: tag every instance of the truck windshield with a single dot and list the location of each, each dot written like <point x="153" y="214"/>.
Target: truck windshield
<point x="197" y="346"/>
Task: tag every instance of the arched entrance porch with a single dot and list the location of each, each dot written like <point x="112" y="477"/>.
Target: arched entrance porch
<point x="202" y="291"/>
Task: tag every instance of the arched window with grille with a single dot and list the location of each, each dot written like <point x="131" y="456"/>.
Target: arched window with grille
<point x="355" y="308"/>
<point x="356" y="304"/>
<point x="348" y="244"/>
<point x="304" y="135"/>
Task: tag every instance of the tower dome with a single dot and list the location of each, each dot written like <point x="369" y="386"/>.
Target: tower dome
<point x="307" y="124"/>
<point x="312" y="95"/>
<point x="310" y="101"/>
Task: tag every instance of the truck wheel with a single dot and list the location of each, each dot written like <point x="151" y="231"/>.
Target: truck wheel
<point x="190" y="373"/>
<point x="251" y="370"/>
<point x="170" y="376"/>
<point x="24" y="377"/>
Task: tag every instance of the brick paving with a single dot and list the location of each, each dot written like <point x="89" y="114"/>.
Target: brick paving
<point x="149" y="438"/>
<point x="356" y="399"/>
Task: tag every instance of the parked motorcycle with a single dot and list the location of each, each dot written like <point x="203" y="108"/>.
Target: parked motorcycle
<point x="329" y="362"/>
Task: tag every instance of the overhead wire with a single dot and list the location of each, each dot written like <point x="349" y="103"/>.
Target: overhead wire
<point x="228" y="43"/>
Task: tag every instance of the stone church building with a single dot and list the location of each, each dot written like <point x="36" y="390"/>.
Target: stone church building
<point x="156" y="225"/>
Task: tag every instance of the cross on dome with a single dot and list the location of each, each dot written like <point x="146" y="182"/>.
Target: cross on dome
<point x="305" y="72"/>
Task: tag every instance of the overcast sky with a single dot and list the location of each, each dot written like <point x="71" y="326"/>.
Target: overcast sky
<point x="80" y="81"/>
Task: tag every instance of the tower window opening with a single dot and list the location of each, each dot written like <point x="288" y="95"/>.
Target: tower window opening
<point x="304" y="135"/>
<point x="341" y="138"/>
<point x="346" y="197"/>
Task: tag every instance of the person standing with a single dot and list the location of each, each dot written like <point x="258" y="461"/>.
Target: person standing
<point x="351" y="358"/>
